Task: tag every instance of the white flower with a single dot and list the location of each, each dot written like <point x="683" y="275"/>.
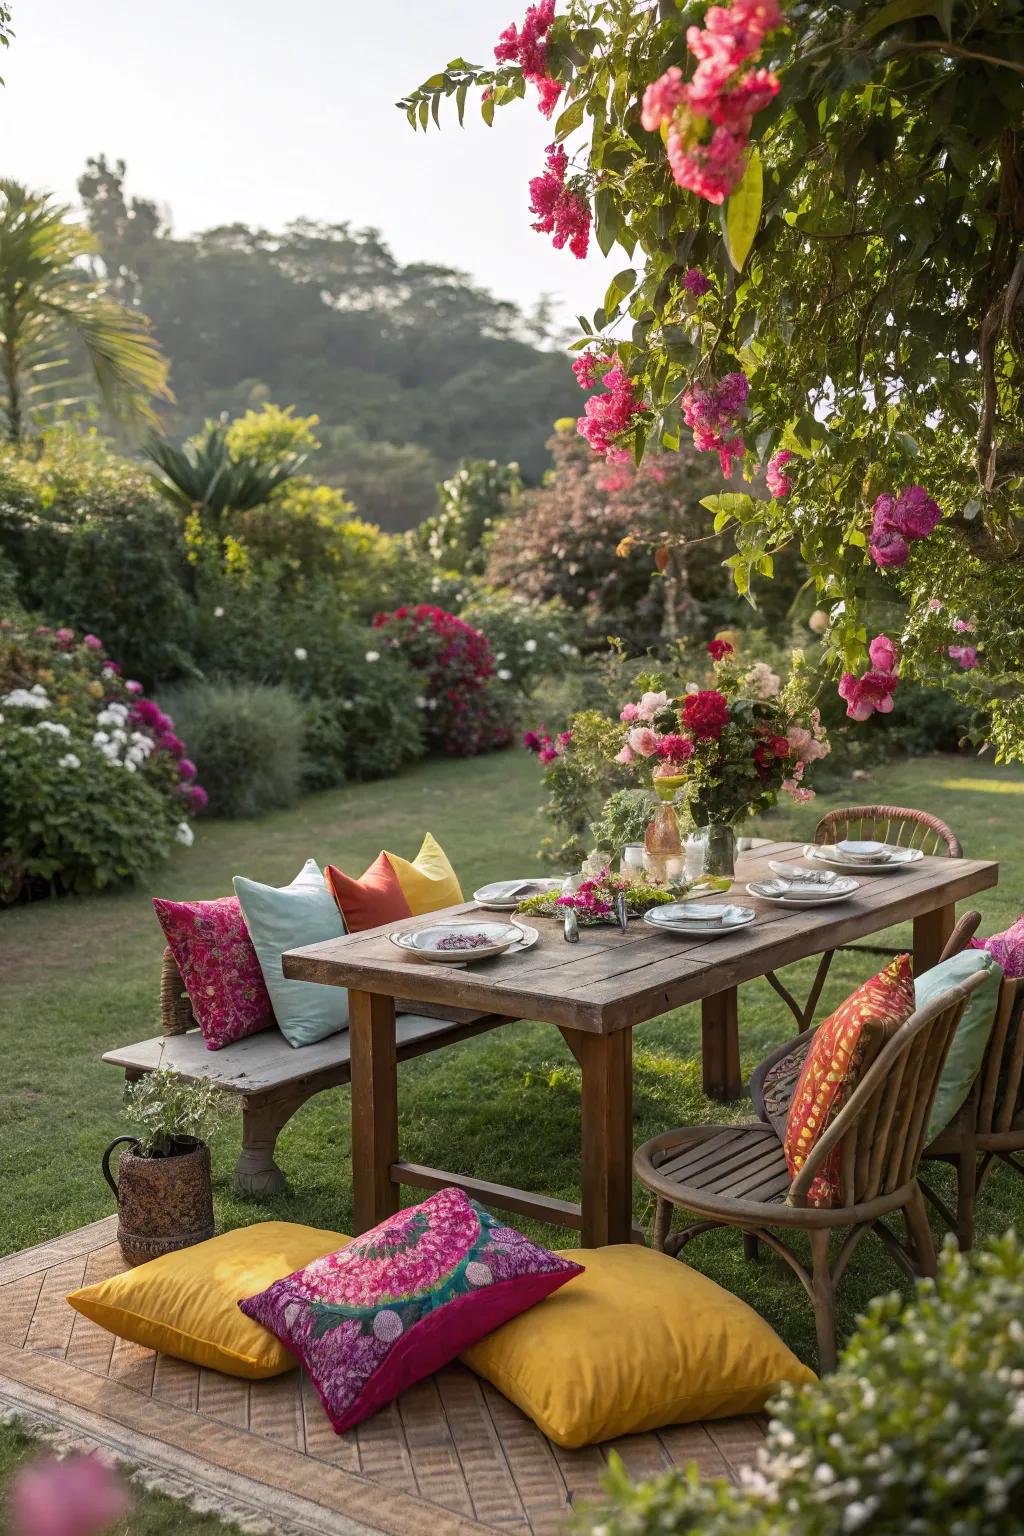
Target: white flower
<point x="119" y="736"/>
<point x="420" y="701"/>
<point x="38" y="688"/>
<point x="100" y="738"/>
<point x="55" y="729"/>
<point x="183" y="834"/>
<point x="69" y="760"/>
<point x="567" y="649"/>
<point x="107" y="672"/>
<point x="347" y="704"/>
<point x="504" y="674"/>
<point x="114" y="714"/>
<point x="529" y="645"/>
<point x="21" y="698"/>
<point x="131" y="766"/>
<point x="499" y="656"/>
<point x="300" y="653"/>
<point x="218" y="613"/>
<point x="373" y="655"/>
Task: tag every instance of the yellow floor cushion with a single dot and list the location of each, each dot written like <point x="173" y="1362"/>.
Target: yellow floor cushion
<point x="186" y="1303"/>
<point x="635" y="1342"/>
<point x="428" y="882"/>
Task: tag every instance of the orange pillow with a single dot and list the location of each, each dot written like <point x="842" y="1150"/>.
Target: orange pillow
<point x="375" y="898"/>
<point x="842" y="1049"/>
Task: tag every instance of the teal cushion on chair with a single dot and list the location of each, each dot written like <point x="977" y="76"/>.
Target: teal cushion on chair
<point x="288" y="917"/>
<point x="971" y="1038"/>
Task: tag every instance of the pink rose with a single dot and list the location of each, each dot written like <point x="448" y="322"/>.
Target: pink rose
<point x="643" y="741"/>
<point x="800" y="740"/>
<point x="966" y="655"/>
<point x="650" y="705"/>
<point x="882" y="653"/>
<point x="889" y="548"/>
<point x="93" y="642"/>
<point x="964" y="626"/>
<point x="865" y="694"/>
<point x="629" y="713"/>
<point x="626" y="755"/>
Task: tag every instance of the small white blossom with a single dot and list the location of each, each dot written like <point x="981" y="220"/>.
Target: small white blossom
<point x="504" y="674"/>
<point x="420" y="701"/>
<point x="183" y="834"/>
<point x="54" y="728"/>
<point x="22" y="698"/>
<point x="568" y="650"/>
<point x="69" y="760"/>
<point x="218" y="613"/>
<point x="373" y="655"/>
<point x="499" y="656"/>
<point x="100" y="738"/>
<point x="300" y="653"/>
<point x="130" y="765"/>
<point x="529" y="645"/>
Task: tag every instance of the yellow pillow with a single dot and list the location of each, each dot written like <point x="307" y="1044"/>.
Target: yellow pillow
<point x="429" y="882"/>
<point x="636" y="1342"/>
<point x="186" y="1303"/>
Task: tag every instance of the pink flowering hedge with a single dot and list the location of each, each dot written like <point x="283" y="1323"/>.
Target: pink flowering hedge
<point x="461" y="709"/>
<point x="95" y="784"/>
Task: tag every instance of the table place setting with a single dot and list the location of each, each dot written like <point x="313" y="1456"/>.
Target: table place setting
<point x="463" y="943"/>
<point x="872" y="858"/>
<point x="699" y="919"/>
<point x="793" y="886"/>
<point x="505" y="895"/>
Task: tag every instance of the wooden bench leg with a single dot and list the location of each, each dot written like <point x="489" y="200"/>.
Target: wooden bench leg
<point x="256" y="1173"/>
<point x="374" y="1066"/>
<point x="931" y="931"/>
<point x="720" y="1044"/>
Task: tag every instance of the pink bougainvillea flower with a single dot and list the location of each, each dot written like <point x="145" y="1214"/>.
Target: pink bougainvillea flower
<point x="588" y="367"/>
<point x="966" y="655"/>
<point x="882" y="653"/>
<point x="709" y="170"/>
<point x="696" y="282"/>
<point x="607" y="416"/>
<point x="779" y="484"/>
<point x="559" y="210"/>
<point x="864" y="695"/>
<point x="549" y="91"/>
<point x="527" y="46"/>
<point x="79" y="1496"/>
<point x="643" y="741"/>
<point x="713" y="409"/>
<point x="662" y="99"/>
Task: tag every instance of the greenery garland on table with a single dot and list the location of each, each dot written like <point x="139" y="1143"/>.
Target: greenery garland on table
<point x="593" y="900"/>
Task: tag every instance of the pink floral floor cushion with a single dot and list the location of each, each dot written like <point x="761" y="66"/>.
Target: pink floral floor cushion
<point x="218" y="964"/>
<point x="1006" y="949"/>
<point x="399" y="1302"/>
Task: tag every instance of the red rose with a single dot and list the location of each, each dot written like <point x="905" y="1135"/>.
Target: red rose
<point x="719" y="648"/>
<point x="780" y="746"/>
<point x="705" y="714"/>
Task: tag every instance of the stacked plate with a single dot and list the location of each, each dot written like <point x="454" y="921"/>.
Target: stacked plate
<point x="462" y="943"/>
<point x="794" y="886"/>
<point x="870" y="857"/>
<point x="505" y="895"/>
<point x="699" y="919"/>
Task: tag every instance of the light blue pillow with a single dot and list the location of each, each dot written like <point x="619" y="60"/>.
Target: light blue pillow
<point x="971" y="1038"/>
<point x="288" y="917"/>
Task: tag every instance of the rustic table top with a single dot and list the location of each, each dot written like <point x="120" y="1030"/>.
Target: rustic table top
<point x="610" y="980"/>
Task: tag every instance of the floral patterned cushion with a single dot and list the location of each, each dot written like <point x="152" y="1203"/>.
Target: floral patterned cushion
<point x="1006" y="949"/>
<point x="222" y="976"/>
<point x="842" y="1049"/>
<point x="399" y="1302"/>
<point x="778" y="1087"/>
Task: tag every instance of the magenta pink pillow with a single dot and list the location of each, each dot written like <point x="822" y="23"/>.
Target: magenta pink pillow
<point x="399" y="1302"/>
<point x="213" y="951"/>
<point x="1006" y="949"/>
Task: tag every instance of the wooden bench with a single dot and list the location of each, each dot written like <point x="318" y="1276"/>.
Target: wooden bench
<point x="270" y="1077"/>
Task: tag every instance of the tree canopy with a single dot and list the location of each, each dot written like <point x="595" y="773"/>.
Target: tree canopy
<point x="410" y="367"/>
<point x="823" y="212"/>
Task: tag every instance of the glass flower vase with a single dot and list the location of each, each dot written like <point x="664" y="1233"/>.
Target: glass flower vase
<point x="719" y="850"/>
<point x="663" y="851"/>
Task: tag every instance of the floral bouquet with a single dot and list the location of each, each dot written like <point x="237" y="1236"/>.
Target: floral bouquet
<point x="593" y="900"/>
<point x="725" y="752"/>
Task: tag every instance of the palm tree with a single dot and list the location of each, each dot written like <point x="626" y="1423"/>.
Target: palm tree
<point x="49" y="299"/>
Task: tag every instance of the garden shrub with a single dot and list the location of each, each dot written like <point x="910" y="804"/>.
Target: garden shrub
<point x="246" y="740"/>
<point x="920" y="1432"/>
<point x="462" y="713"/>
<point x="95" y="784"/>
<point x="530" y="642"/>
<point x="472" y="504"/>
<point x="93" y="546"/>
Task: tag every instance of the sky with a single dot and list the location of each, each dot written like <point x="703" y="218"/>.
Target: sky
<point x="261" y="111"/>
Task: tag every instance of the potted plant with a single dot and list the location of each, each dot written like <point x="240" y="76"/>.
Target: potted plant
<point x="164" y="1185"/>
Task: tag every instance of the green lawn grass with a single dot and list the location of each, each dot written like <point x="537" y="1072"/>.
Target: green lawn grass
<point x="81" y="975"/>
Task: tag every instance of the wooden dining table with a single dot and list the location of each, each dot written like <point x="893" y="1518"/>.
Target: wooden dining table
<point x="595" y="993"/>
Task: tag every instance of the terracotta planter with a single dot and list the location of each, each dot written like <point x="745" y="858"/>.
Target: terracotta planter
<point x="163" y="1203"/>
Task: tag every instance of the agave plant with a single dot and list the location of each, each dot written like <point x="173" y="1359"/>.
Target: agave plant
<point x="202" y="476"/>
<point x="48" y="301"/>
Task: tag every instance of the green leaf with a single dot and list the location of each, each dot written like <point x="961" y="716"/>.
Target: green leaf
<point x="728" y="505"/>
<point x="487" y="110"/>
<point x="742" y="213"/>
<point x="897" y="11"/>
<point x="570" y="119"/>
<point x="621" y="285"/>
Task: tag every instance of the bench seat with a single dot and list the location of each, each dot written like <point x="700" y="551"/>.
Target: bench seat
<point x="272" y="1078"/>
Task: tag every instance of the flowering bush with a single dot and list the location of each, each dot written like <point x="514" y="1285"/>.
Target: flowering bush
<point x="472" y="503"/>
<point x="461" y="716"/>
<point x="531" y="642"/>
<point x="726" y="751"/>
<point x="95" y="785"/>
<point x="921" y="1429"/>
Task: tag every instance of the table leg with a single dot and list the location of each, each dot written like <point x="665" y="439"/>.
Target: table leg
<point x="720" y="1043"/>
<point x="374" y="1066"/>
<point x="606" y="1062"/>
<point x="931" y="930"/>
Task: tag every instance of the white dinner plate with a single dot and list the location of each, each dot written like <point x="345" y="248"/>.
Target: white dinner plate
<point x="691" y="930"/>
<point x="528" y="937"/>
<point x="496" y="894"/>
<point x="784" y="894"/>
<point x="898" y="858"/>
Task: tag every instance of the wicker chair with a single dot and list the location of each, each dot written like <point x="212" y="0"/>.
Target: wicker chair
<point x="990" y="1125"/>
<point x="737" y="1175"/>
<point x="900" y="825"/>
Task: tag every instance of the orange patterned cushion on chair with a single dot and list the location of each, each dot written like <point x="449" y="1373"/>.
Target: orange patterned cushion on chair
<point x="843" y="1048"/>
